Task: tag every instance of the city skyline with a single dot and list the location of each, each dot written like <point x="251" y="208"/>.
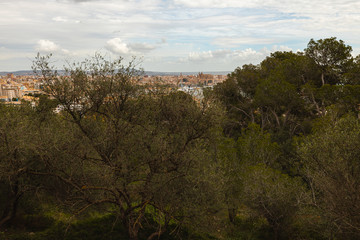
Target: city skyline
<point x="170" y="35"/>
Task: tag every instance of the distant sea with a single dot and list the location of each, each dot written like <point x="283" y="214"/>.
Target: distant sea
<point x="149" y="73"/>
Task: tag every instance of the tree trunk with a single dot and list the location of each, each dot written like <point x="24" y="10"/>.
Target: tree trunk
<point x="12" y="205"/>
<point x="133" y="231"/>
<point x="133" y="223"/>
<point x="156" y="234"/>
<point x="232" y="214"/>
<point x="10" y="211"/>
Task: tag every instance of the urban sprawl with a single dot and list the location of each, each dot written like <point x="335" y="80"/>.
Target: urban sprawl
<point x="16" y="89"/>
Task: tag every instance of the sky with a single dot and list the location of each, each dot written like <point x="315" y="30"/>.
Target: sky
<point x="170" y="35"/>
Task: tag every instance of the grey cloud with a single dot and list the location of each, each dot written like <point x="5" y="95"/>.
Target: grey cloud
<point x="77" y="1"/>
<point x="81" y="1"/>
<point x="228" y="55"/>
<point x="118" y="46"/>
<point x="141" y="47"/>
<point x="162" y="41"/>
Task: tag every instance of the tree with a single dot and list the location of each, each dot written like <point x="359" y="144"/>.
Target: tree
<point x="137" y="149"/>
<point x="254" y="147"/>
<point x="332" y="56"/>
<point x="16" y="157"/>
<point x="253" y="183"/>
<point x="285" y="108"/>
<point x="331" y="166"/>
<point x="270" y="94"/>
<point x="236" y="94"/>
<point x="275" y="196"/>
<point x="247" y="78"/>
<point x="278" y="101"/>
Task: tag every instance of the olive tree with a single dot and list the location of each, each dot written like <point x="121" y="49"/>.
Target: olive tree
<point x="16" y="157"/>
<point x="138" y="149"/>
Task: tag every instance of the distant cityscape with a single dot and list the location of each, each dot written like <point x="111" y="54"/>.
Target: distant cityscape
<point x="149" y="73"/>
<point x="26" y="86"/>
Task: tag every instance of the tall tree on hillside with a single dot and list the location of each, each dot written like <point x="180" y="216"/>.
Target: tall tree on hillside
<point x="237" y="94"/>
<point x="332" y="56"/>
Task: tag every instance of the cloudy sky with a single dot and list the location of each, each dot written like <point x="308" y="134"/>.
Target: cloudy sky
<point x="170" y="35"/>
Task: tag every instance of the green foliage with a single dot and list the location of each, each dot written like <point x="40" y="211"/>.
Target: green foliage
<point x="246" y="78"/>
<point x="277" y="94"/>
<point x="275" y="196"/>
<point x="272" y="152"/>
<point x="17" y="154"/>
<point x="97" y="228"/>
<point x="287" y="90"/>
<point x="130" y="147"/>
<point x="255" y="147"/>
<point x="332" y="56"/>
<point x="330" y="157"/>
<point x="235" y="94"/>
<point x="250" y="227"/>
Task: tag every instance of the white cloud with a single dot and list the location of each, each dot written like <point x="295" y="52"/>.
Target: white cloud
<point x="282" y="48"/>
<point x="59" y="19"/>
<point x="141" y="47"/>
<point x="210" y="3"/>
<point x="137" y="27"/>
<point x="226" y="59"/>
<point x="218" y="55"/>
<point x="200" y="56"/>
<point x="117" y="46"/>
<point x="249" y="54"/>
<point x="225" y="55"/>
<point x="47" y="46"/>
<point x="214" y="60"/>
<point x="289" y="6"/>
<point x="236" y="41"/>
